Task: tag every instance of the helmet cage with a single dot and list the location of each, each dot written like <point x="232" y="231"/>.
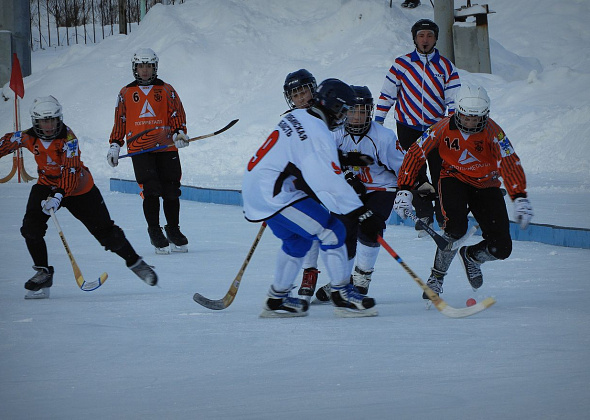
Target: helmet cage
<point x="360" y="116"/>
<point x="145" y="56"/>
<point x="44" y="109"/>
<point x="296" y="83"/>
<point x="297" y="91"/>
<point x="362" y="127"/>
<point x="471" y="102"/>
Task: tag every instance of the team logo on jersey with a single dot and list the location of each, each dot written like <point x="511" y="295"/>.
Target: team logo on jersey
<point x="505" y="146"/>
<point x="336" y="168"/>
<point x="479" y="146"/>
<point x="71" y="148"/>
<point x="158" y="95"/>
<point x="467" y="158"/>
<point x="147" y="111"/>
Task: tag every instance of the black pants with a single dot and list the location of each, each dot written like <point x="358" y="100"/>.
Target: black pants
<point x="158" y="175"/>
<point x="381" y="204"/>
<point x="424" y="207"/>
<point x="487" y="206"/>
<point x="88" y="208"/>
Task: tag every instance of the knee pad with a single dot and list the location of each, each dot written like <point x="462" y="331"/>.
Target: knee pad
<point x="500" y="249"/>
<point x="170" y="190"/>
<point x="111" y="238"/>
<point x="33" y="232"/>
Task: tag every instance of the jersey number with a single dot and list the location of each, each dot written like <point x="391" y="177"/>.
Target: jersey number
<point x="454" y="144"/>
<point x="264" y="149"/>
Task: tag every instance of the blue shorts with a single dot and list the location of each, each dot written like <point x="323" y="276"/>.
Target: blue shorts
<point x="304" y="222"/>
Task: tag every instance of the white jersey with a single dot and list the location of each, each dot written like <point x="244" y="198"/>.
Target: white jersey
<point x="383" y="146"/>
<point x="301" y="145"/>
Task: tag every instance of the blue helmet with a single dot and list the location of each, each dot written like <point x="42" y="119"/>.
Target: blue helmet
<point x="333" y="98"/>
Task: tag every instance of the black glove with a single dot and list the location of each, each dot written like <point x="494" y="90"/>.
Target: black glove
<point x="369" y="224"/>
<point x="354" y="159"/>
<point x="355" y="183"/>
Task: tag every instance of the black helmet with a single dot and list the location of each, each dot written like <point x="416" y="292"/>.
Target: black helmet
<point x="363" y="103"/>
<point x="297" y="80"/>
<point x="424" y="24"/>
<point x="333" y="98"/>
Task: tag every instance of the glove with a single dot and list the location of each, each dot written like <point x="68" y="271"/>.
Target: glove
<point x="523" y="212"/>
<point x="354" y="159"/>
<point x="425" y="189"/>
<point x="403" y="202"/>
<point x="369" y="224"/>
<point x="113" y="154"/>
<point x="52" y="202"/>
<point x="180" y="140"/>
<point x="355" y="183"/>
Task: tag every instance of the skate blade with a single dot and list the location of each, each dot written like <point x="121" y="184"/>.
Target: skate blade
<point x="162" y="251"/>
<point x="422" y="234"/>
<point x="178" y="248"/>
<point x="39" y="294"/>
<point x="355" y="313"/>
<point x="281" y="314"/>
<point x="428" y="304"/>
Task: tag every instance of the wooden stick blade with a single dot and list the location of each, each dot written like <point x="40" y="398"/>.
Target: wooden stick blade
<point x="216" y="305"/>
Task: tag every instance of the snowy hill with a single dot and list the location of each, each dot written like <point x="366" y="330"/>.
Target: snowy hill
<point x="127" y="351"/>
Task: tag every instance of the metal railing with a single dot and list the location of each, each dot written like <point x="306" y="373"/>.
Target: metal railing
<point x="57" y="23"/>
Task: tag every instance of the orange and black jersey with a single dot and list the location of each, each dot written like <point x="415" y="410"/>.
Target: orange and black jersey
<point x="58" y="161"/>
<point x="477" y="159"/>
<point x="157" y="107"/>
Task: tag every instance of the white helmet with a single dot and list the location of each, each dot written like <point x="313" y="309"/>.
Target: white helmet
<point x="145" y="56"/>
<point x="46" y="108"/>
<point x="471" y="101"/>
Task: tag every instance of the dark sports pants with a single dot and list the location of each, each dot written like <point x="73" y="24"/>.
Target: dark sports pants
<point x="424" y="207"/>
<point x="89" y="208"/>
<point x="381" y="204"/>
<point x="487" y="206"/>
<point x="158" y="175"/>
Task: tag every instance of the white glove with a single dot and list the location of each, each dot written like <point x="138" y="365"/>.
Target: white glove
<point x="403" y="202"/>
<point x="523" y="212"/>
<point x="180" y="140"/>
<point x="52" y="202"/>
<point x="113" y="154"/>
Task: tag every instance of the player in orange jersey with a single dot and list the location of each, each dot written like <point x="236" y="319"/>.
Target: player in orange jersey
<point x="149" y="103"/>
<point x="475" y="153"/>
<point x="63" y="181"/>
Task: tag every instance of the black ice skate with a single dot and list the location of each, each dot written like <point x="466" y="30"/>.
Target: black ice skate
<point x="178" y="242"/>
<point x="281" y="305"/>
<point x="472" y="269"/>
<point x="411" y="4"/>
<point x="38" y="285"/>
<point x="323" y="293"/>
<point x="361" y="280"/>
<point x="349" y="303"/>
<point x="308" y="284"/>
<point x="435" y="282"/>
<point x="158" y="240"/>
<point x="145" y="272"/>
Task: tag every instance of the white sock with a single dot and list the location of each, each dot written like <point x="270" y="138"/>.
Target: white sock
<point x="286" y="270"/>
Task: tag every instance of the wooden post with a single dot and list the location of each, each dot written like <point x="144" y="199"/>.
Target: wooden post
<point x="123" y="17"/>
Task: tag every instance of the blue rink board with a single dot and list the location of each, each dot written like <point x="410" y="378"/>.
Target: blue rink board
<point x="536" y="232"/>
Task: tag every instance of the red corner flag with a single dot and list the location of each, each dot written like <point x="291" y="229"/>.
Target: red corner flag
<point x="16" y="78"/>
